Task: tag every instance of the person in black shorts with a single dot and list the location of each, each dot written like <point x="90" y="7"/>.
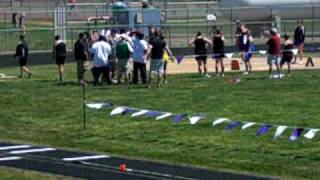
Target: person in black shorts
<point x="59" y="54"/>
<point x="218" y="51"/>
<point x="200" y="44"/>
<point x="287" y="54"/>
<point x="22" y="51"/>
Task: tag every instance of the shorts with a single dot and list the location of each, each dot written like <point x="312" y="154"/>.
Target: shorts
<point x="298" y="43"/>
<point x="60" y="60"/>
<point x="124" y="66"/>
<point x="157" y="65"/>
<point x="113" y="63"/>
<point x="22" y="61"/>
<point x="286" y="59"/>
<point x="201" y="59"/>
<point x="82" y="66"/>
<point x="272" y="59"/>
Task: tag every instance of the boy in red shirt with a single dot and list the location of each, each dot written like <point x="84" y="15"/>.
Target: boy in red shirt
<point x="274" y="51"/>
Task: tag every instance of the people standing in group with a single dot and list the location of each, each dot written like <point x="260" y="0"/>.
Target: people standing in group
<point x="200" y="44"/>
<point x="245" y="41"/>
<point x="299" y="38"/>
<point x="155" y="53"/>
<point x="60" y="54"/>
<point x="274" y="44"/>
<point x="101" y="51"/>
<point x="81" y="56"/>
<point x="22" y="51"/>
<point x="287" y="54"/>
<point x="123" y="53"/>
<point x="140" y="48"/>
<point x="218" y="52"/>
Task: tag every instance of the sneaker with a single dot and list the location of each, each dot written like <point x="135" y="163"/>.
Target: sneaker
<point x="246" y="73"/>
<point x="114" y="81"/>
<point x="222" y="75"/>
<point x="165" y="82"/>
<point x="300" y="62"/>
<point x="207" y="76"/>
<point x="270" y="76"/>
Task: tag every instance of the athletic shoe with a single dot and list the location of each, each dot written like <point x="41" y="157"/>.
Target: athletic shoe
<point x="245" y="73"/>
<point x="222" y="75"/>
<point x="270" y="76"/>
<point x="207" y="76"/>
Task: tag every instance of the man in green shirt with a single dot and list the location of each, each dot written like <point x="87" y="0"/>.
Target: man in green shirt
<point x="123" y="53"/>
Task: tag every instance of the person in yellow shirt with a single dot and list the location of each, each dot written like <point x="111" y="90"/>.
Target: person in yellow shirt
<point x="166" y="59"/>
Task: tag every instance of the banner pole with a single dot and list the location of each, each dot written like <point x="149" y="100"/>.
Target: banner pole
<point x="84" y="105"/>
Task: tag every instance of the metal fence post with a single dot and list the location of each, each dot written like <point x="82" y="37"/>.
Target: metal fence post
<point x="312" y="22"/>
<point x="6" y="30"/>
<point x="187" y="25"/>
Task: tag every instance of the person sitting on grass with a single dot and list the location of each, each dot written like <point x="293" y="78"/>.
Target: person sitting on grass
<point x="81" y="56"/>
<point x="200" y="44"/>
<point x="287" y="54"/>
<point x="101" y="51"/>
<point x="59" y="54"/>
<point x="123" y="53"/>
<point x="155" y="53"/>
<point x="218" y="52"/>
<point x="274" y="51"/>
<point x="22" y="51"/>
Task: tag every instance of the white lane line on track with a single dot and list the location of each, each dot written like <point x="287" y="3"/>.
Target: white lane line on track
<point x="81" y="158"/>
<point x="12" y="158"/>
<point x="31" y="151"/>
<point x="14" y="147"/>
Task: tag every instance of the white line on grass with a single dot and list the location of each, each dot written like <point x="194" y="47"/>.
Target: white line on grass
<point x="85" y="158"/>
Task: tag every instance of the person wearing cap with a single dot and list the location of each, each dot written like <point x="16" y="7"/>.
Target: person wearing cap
<point x="200" y="44"/>
<point x="123" y="53"/>
<point x="287" y="54"/>
<point x="274" y="44"/>
<point x="22" y="51"/>
<point x="101" y="51"/>
<point x="60" y="54"/>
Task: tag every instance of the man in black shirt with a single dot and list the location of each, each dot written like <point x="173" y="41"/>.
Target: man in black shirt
<point x="22" y="51"/>
<point x="155" y="53"/>
<point x="81" y="57"/>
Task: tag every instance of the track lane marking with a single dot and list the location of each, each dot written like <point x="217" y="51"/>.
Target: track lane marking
<point x="81" y="158"/>
<point x="31" y="151"/>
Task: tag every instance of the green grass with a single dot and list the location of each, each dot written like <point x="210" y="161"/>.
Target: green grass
<point x="16" y="174"/>
<point x="41" y="111"/>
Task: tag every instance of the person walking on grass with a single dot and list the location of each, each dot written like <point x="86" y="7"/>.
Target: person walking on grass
<point x="274" y="51"/>
<point x="287" y="54"/>
<point x="22" y="51"/>
<point x="155" y="53"/>
<point x="200" y="44"/>
<point x="59" y="54"/>
<point x="81" y="56"/>
<point x="299" y="37"/>
<point x="167" y="57"/>
<point x="101" y="51"/>
<point x="123" y="53"/>
<point x="140" y="48"/>
<point x="218" y="52"/>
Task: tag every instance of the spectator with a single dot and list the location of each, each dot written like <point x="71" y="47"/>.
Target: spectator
<point x="218" y="51"/>
<point x="299" y="37"/>
<point x="200" y="44"/>
<point x="274" y="51"/>
<point x="155" y="52"/>
<point x="101" y="51"/>
<point x="22" y="51"/>
<point x="287" y="54"/>
<point x="22" y="23"/>
<point x="245" y="41"/>
<point x="113" y="41"/>
<point x="14" y="21"/>
<point x="140" y="47"/>
<point x="123" y="53"/>
<point x="81" y="57"/>
<point x="59" y="54"/>
<point x="167" y="56"/>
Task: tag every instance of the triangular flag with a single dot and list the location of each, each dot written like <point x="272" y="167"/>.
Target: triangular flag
<point x="153" y="114"/>
<point x="195" y="119"/>
<point x="229" y="55"/>
<point x="247" y="125"/>
<point x="178" y="118"/>
<point x="220" y="120"/>
<point x="128" y="110"/>
<point x="233" y="125"/>
<point x="117" y="110"/>
<point x="140" y="113"/>
<point x="279" y="131"/>
<point x="262" y="52"/>
<point x="179" y="59"/>
<point x="165" y="115"/>
<point x="296" y="134"/>
<point x="311" y="133"/>
<point x="95" y="105"/>
<point x="295" y="51"/>
<point x="263" y="129"/>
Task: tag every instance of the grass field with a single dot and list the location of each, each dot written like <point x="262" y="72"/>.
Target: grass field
<point x="41" y="111"/>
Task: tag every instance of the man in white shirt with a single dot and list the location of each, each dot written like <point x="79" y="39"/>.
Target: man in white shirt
<point x="101" y="51"/>
<point x="140" y="47"/>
